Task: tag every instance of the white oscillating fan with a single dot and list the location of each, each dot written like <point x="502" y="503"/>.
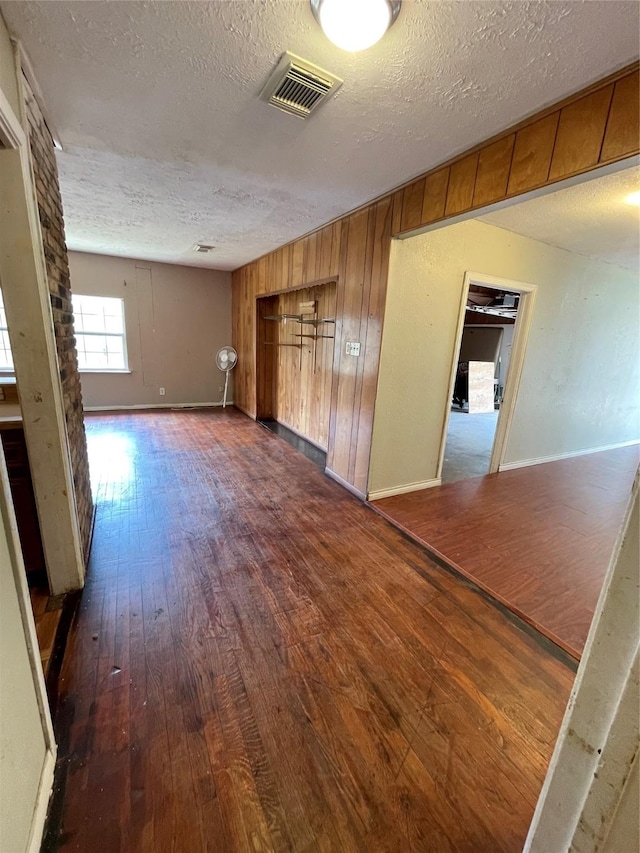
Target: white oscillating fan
<point x="226" y="359"/>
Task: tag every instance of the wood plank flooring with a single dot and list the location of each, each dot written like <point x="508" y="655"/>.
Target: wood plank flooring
<point x="262" y="663"/>
<point x="538" y="539"/>
<point x="47" y="611"/>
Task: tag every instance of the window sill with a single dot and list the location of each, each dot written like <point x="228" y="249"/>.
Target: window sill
<point x="103" y="370"/>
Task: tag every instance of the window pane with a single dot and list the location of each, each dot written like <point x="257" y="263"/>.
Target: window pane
<point x="100" y="351"/>
<point x="99" y="327"/>
<point x="3" y="313"/>
<point x="6" y="359"/>
<point x="98" y="314"/>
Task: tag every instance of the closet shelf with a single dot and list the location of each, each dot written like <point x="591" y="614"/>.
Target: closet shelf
<point x="315" y="337"/>
<point x="300" y="318"/>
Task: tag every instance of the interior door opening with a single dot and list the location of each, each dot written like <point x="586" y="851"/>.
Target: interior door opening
<point x="489" y="329"/>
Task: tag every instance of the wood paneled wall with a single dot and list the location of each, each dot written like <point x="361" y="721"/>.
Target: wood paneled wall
<point x="303" y="383"/>
<point x="597" y="126"/>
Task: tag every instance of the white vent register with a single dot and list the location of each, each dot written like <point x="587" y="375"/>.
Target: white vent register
<point x="298" y="87"/>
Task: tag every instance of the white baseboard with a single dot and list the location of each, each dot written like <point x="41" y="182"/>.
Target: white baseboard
<point x="301" y="435"/>
<point x="140" y="406"/>
<point x="344" y="483"/>
<point x="42" y="802"/>
<point x="377" y="494"/>
<point x="525" y="463"/>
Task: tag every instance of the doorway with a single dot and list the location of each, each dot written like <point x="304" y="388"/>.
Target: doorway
<point x="495" y="315"/>
<point x="294" y="365"/>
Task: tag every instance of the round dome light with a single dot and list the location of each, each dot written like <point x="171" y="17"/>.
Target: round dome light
<point x="355" y="25"/>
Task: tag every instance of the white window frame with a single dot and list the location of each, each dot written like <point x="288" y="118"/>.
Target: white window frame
<point x="122" y="335"/>
<point x="5" y="369"/>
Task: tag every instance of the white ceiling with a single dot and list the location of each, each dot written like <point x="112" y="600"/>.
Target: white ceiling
<point x="166" y="143"/>
<point x="591" y="219"/>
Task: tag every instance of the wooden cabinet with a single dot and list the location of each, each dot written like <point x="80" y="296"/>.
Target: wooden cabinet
<point x="24" y="502"/>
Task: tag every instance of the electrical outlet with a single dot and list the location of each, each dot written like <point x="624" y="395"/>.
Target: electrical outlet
<point x="353" y="348"/>
<point x="162" y="392"/>
<point x="220" y="388"/>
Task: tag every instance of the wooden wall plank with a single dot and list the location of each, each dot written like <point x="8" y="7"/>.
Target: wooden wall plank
<point x="324" y="266"/>
<point x="382" y="216"/>
<point x="461" y="185"/>
<point x="532" y="155"/>
<point x="412" y="205"/>
<point x="286" y="266"/>
<point x="621" y="135"/>
<point x="310" y="258"/>
<point x="266" y="358"/>
<point x="397" y="211"/>
<point x="261" y="285"/>
<point x="352" y="268"/>
<point x="580" y="134"/>
<point x="435" y="196"/>
<point x="297" y="269"/>
<point x="362" y="337"/>
<point x="492" y="176"/>
<point x="338" y="346"/>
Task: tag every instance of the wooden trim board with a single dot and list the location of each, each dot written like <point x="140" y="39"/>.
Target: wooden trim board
<point x="378" y="494"/>
<point x="540" y="460"/>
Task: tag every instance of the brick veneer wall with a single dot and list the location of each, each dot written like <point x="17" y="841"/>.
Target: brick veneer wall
<point x="45" y="174"/>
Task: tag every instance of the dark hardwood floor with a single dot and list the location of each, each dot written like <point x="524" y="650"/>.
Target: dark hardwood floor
<point x="537" y="539"/>
<point x="262" y="663"/>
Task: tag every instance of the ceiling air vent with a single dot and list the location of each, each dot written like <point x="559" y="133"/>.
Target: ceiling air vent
<point x="203" y="248"/>
<point x="298" y="87"/>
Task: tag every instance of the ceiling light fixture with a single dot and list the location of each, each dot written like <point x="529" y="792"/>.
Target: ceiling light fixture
<point x="633" y="198"/>
<point x="355" y="24"/>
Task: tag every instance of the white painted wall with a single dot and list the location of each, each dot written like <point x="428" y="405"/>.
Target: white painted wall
<point x="177" y="318"/>
<point x="579" y="388"/>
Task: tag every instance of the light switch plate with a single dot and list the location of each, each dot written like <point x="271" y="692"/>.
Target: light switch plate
<point x="353" y="348"/>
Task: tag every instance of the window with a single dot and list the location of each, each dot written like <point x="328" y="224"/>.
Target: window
<point x="100" y="333"/>
<point x="6" y="359"/>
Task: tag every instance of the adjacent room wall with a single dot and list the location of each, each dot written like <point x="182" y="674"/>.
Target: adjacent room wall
<point x="579" y="384"/>
<point x="176" y="317"/>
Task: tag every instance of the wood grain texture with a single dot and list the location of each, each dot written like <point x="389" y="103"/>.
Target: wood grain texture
<point x="267" y="376"/>
<point x="518" y="160"/>
<point x="538" y="539"/>
<point x="412" y="201"/>
<point x="621" y="137"/>
<point x="494" y="165"/>
<point x="580" y="133"/>
<point x="435" y="196"/>
<point x="303" y="378"/>
<point x="262" y="663"/>
<point x="462" y="180"/>
<point x="532" y="155"/>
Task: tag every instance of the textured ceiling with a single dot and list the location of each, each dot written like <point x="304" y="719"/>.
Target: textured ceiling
<point x="591" y="219"/>
<point x="166" y="143"/>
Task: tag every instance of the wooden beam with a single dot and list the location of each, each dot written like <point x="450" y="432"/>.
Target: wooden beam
<point x="26" y="298"/>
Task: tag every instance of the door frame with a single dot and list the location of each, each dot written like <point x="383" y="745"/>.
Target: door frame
<point x="31" y="332"/>
<point x="511" y="384"/>
<point x="13" y="138"/>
